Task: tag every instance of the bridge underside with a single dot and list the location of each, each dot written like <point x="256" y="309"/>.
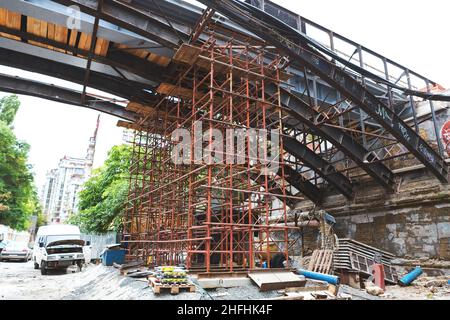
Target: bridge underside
<point x="232" y="65"/>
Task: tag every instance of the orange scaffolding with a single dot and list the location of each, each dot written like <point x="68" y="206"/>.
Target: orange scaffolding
<point x="220" y="210"/>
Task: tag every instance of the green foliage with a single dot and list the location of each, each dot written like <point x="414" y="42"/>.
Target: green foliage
<point x="41" y="220"/>
<point x="18" y="198"/>
<point x="9" y="106"/>
<point x="103" y="198"/>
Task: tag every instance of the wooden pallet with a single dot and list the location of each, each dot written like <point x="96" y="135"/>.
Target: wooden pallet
<point x="174" y="288"/>
<point x="321" y="261"/>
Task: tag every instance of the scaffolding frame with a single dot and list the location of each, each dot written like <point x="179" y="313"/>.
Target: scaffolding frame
<point x="213" y="215"/>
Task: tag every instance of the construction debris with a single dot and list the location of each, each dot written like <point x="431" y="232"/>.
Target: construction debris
<point x="141" y="274"/>
<point x="410" y="277"/>
<point x="373" y="289"/>
<point x="130" y="267"/>
<point x="224" y="282"/>
<point x="319" y="276"/>
<point x="356" y="256"/>
<point x="321" y="261"/>
<point x="323" y="292"/>
<point x="171" y="279"/>
<point x="437" y="283"/>
<point x="275" y="280"/>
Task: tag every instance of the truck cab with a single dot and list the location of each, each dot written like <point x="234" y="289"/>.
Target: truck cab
<point x="58" y="247"/>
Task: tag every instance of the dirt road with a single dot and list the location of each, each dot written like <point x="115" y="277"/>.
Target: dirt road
<point x="19" y="280"/>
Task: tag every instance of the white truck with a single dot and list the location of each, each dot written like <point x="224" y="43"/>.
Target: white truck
<point x="57" y="247"/>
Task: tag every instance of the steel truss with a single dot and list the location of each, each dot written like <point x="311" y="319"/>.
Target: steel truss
<point x="281" y="35"/>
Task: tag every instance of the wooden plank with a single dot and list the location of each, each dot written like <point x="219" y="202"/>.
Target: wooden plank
<point x="6" y="19"/>
<point x="187" y="54"/>
<point x="61" y="36"/>
<point x="5" y="35"/>
<point x="313" y="260"/>
<point x="73" y="37"/>
<point x="127" y="125"/>
<point x="140" y="53"/>
<point x="159" y="60"/>
<point x="13" y="20"/>
<point x="144" y="54"/>
<point x="330" y="262"/>
<point x="85" y="42"/>
<point x="102" y="47"/>
<point x="176" y="91"/>
<point x="268" y="281"/>
<point x="140" y="108"/>
<point x="51" y="33"/>
<point x="319" y="261"/>
<point x="38" y="28"/>
<point x="148" y="111"/>
<point x="3" y="13"/>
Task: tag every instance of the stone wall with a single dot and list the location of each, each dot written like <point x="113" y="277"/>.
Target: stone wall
<point x="413" y="221"/>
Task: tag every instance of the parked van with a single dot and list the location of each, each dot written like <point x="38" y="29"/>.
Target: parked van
<point x="57" y="247"/>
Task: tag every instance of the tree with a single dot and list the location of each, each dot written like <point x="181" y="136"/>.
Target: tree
<point x="9" y="106"/>
<point x="102" y="200"/>
<point x="18" y="197"/>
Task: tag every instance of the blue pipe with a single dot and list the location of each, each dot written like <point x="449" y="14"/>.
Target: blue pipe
<point x="319" y="276"/>
<point x="410" y="277"/>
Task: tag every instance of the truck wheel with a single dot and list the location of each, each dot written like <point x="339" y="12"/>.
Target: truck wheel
<point x="36" y="266"/>
<point x="80" y="266"/>
<point x="43" y="268"/>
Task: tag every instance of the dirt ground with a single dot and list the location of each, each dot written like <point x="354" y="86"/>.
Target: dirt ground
<point x="19" y="281"/>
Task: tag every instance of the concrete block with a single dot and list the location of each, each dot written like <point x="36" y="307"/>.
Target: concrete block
<point x="213" y="283"/>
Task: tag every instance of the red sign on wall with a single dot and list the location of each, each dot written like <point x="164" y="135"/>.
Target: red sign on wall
<point x="445" y="135"/>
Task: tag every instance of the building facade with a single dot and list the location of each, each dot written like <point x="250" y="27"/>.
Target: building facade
<point x="63" y="184"/>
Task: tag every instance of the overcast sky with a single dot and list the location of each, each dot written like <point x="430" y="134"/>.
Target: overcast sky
<point x="413" y="33"/>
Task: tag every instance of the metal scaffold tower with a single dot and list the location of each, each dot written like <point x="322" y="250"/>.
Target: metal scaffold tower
<point x="222" y="209"/>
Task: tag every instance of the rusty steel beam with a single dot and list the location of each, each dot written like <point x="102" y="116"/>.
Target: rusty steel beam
<point x="322" y="167"/>
<point x="63" y="95"/>
<point x="337" y="78"/>
<point x="304" y="113"/>
<point x="127" y="89"/>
